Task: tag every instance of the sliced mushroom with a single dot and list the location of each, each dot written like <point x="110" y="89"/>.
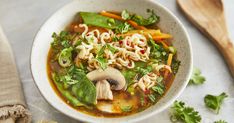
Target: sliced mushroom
<point x="110" y="74"/>
<point x="103" y="90"/>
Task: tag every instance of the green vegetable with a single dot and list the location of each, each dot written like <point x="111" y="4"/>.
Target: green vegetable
<point x="183" y="113"/>
<point x="65" y="57"/>
<point x="74" y="101"/>
<point x="220" y="121"/>
<point x="102" y="62"/>
<point x="215" y="102"/>
<point x="61" y="41"/>
<point x="175" y="66"/>
<point x="123" y="28"/>
<point x="197" y="78"/>
<point x="152" y="19"/>
<point x="125" y="15"/>
<point x="84" y="90"/>
<point x="158" y="89"/>
<point x="100" y="58"/>
<point x="112" y="49"/>
<point x="126" y="108"/>
<point x="129" y="75"/>
<point x="152" y="98"/>
<point x="144" y="70"/>
<point x="95" y="19"/>
<point x="117" y="38"/>
<point x="172" y="49"/>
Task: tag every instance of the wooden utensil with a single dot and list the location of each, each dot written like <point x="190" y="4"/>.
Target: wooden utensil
<point x="208" y="16"/>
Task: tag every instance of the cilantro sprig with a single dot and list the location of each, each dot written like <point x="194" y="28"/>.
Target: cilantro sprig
<point x="183" y="113"/>
<point x="214" y="102"/>
<point x="197" y="78"/>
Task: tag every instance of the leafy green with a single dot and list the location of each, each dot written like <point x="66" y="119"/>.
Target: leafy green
<point x="220" y="121"/>
<point x="65" y="57"/>
<point x="95" y="19"/>
<point x="126" y="108"/>
<point x="111" y="48"/>
<point x="102" y="62"/>
<point x="61" y="41"/>
<point x="125" y="15"/>
<point x="144" y="70"/>
<point x="123" y="28"/>
<point x="153" y="18"/>
<point x="100" y="58"/>
<point x="158" y="89"/>
<point x="74" y="101"/>
<point x="183" y="113"/>
<point x="215" y="102"/>
<point x="84" y="90"/>
<point x="197" y="78"/>
<point x="117" y="38"/>
<point x="175" y="66"/>
<point x="152" y="97"/>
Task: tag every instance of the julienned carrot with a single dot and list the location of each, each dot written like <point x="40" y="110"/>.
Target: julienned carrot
<point x="169" y="61"/>
<point x="132" y="23"/>
<point x="162" y="36"/>
<point x="164" y="44"/>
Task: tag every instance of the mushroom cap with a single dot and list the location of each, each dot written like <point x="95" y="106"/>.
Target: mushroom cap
<point x="109" y="73"/>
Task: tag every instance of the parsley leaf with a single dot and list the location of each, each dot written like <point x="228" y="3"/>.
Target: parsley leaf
<point x="126" y="108"/>
<point x="197" y="78"/>
<point x="183" y="113"/>
<point x="215" y="102"/>
<point x="220" y="121"/>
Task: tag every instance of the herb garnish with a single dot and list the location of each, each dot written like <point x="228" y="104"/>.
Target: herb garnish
<point x="181" y="112"/>
<point x="215" y="102"/>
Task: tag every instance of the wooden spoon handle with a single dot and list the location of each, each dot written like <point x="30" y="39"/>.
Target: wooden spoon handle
<point x="227" y="49"/>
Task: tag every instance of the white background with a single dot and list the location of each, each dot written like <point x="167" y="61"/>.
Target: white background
<point x="21" y="20"/>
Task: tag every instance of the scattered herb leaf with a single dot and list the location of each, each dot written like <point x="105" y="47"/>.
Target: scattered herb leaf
<point x="215" y="102"/>
<point x="181" y="112"/>
<point x="197" y="78"/>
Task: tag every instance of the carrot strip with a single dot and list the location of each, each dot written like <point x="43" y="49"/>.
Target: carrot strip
<point x="162" y="36"/>
<point x="164" y="44"/>
<point x="169" y="61"/>
<point x="117" y="17"/>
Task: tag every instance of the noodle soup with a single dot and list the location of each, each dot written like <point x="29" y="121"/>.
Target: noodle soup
<point x="112" y="64"/>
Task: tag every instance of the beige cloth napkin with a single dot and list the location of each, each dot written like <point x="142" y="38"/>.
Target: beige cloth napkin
<point x="12" y="104"/>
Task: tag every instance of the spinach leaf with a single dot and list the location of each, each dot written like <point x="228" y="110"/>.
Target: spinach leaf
<point x="197" y="78"/>
<point x="215" y="102"/>
<point x="183" y="113"/>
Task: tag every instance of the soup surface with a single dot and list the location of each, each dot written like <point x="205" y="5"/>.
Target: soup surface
<point x="112" y="64"/>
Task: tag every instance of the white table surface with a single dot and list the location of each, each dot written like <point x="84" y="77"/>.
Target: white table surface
<point x="21" y="20"/>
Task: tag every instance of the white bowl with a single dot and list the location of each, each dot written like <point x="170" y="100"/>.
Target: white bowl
<point x="168" y="23"/>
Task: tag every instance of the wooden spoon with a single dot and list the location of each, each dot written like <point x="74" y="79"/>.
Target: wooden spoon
<point x="208" y="16"/>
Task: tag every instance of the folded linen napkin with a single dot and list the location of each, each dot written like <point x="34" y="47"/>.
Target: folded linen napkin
<point x="12" y="104"/>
